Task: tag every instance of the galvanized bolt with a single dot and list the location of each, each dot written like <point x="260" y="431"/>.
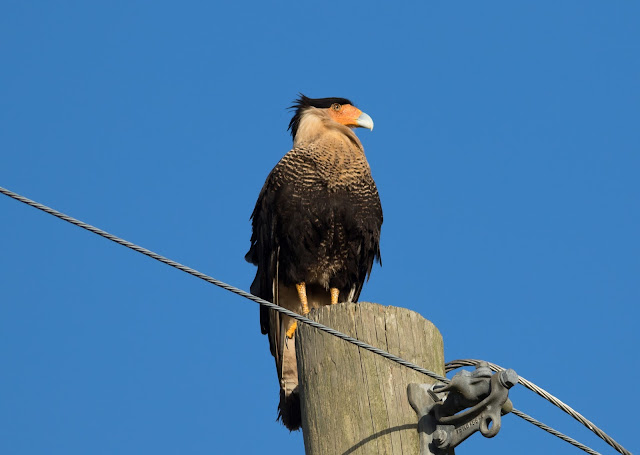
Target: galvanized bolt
<point x="508" y="378"/>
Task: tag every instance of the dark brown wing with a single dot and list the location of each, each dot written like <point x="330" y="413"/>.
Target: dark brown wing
<point x="301" y="217"/>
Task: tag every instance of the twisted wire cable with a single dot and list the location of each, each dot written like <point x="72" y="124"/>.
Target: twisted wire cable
<point x="556" y="433"/>
<point x="449" y="366"/>
<point x="275" y="307"/>
<point x="221" y="284"/>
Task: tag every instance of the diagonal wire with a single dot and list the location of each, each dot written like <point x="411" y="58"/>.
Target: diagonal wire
<point x="547" y="396"/>
<point x="221" y="284"/>
<point x="556" y="433"/>
<point x="270" y="305"/>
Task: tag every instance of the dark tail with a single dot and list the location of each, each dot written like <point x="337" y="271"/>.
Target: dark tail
<point x="289" y="410"/>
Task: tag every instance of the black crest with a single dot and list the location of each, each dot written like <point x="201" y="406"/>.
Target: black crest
<point x="303" y="102"/>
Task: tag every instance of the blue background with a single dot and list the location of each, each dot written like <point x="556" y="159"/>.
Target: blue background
<point x="507" y="155"/>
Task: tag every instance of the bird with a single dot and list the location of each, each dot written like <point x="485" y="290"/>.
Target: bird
<point x="315" y="229"/>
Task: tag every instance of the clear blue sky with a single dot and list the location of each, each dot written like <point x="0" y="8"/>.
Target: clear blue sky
<point x="506" y="152"/>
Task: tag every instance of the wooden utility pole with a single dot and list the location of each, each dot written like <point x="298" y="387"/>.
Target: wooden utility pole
<point x="354" y="401"/>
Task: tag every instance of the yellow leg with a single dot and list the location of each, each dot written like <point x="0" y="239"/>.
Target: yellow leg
<point x="335" y="292"/>
<point x="302" y="294"/>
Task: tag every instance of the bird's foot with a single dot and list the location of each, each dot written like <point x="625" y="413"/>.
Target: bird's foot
<point x="302" y="295"/>
<point x="292" y="329"/>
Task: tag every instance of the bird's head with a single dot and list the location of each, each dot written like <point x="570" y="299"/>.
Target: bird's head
<point x="340" y="110"/>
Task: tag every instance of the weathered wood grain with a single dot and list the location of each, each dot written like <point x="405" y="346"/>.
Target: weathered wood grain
<point x="354" y="401"/>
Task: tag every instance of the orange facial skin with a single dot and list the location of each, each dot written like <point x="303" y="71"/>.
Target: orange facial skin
<point x="345" y="114"/>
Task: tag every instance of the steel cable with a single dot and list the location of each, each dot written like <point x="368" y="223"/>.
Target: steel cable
<point x="221" y="284"/>
<point x="278" y="308"/>
<point x="449" y="366"/>
<point x="556" y="433"/>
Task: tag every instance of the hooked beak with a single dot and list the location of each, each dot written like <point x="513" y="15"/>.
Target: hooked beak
<point x="364" y="121"/>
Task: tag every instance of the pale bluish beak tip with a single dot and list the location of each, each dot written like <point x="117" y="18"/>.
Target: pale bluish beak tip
<point x="364" y="121"/>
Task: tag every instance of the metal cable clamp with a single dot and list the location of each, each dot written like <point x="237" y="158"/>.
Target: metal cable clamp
<point x="472" y="401"/>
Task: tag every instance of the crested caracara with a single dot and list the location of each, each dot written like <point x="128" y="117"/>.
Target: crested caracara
<point x="316" y="229"/>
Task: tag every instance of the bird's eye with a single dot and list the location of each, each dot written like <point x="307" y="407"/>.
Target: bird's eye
<point x="335" y="107"/>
